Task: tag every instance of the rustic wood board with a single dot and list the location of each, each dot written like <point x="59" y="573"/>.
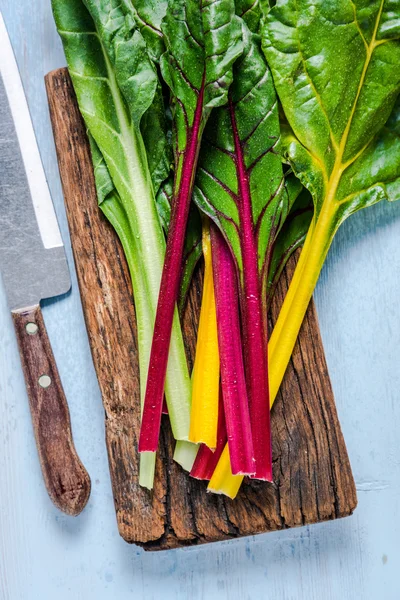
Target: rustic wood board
<point x="313" y="481"/>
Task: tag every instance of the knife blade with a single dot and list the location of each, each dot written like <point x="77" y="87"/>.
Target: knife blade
<point x="33" y="266"/>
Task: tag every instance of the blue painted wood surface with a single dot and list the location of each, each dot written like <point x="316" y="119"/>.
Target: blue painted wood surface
<point x="46" y="556"/>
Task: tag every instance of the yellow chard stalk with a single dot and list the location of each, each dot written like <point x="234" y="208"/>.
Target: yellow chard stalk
<point x="205" y="379"/>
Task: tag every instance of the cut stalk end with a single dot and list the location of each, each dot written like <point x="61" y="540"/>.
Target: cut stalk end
<point x="147" y="469"/>
<point x="185" y="454"/>
<point x="222" y="481"/>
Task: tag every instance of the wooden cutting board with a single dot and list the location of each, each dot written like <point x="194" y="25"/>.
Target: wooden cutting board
<point x="313" y="481"/>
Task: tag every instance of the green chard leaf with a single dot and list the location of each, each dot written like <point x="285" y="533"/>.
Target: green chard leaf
<point x="240" y="185"/>
<point x="336" y="70"/>
<point x="202" y="39"/>
<point x="156" y="122"/>
<point x="150" y="14"/>
<point x="98" y="58"/>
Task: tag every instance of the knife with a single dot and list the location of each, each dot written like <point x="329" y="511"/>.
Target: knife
<point x="33" y="266"/>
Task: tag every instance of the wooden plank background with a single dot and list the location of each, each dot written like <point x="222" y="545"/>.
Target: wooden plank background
<point x="45" y="555"/>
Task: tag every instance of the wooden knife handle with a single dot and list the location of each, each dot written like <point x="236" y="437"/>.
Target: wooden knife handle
<point x="66" y="479"/>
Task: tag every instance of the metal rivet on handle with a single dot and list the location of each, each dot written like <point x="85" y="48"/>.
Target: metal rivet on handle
<point x="31" y="328"/>
<point x="44" y="381"/>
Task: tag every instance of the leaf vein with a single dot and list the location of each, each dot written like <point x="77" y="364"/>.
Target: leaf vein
<point x="223" y="185"/>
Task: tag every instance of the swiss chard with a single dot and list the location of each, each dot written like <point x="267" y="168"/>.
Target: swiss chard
<point x="134" y="72"/>
<point x="240" y="186"/>
<point x="102" y="62"/>
<point x="343" y="141"/>
<point x="203" y="40"/>
<point x="111" y="206"/>
<point x="136" y="77"/>
<point x="335" y="68"/>
<point x="204" y="397"/>
<point x="156" y="132"/>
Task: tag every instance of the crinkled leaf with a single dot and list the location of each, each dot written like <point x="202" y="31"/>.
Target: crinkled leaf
<point x="156" y="122"/>
<point x="203" y="40"/>
<point x="375" y="175"/>
<point x="149" y="15"/>
<point x="250" y="12"/>
<point x="127" y="51"/>
<point x="137" y="78"/>
<point x="336" y="69"/>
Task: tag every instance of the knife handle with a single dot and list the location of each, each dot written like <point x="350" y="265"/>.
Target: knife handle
<point x="67" y="481"/>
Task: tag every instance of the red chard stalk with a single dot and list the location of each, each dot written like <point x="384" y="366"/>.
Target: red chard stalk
<point x="203" y="40"/>
<point x="233" y="381"/>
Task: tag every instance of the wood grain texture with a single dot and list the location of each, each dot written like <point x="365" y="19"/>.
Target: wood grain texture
<point x="312" y="474"/>
<point x="66" y="479"/>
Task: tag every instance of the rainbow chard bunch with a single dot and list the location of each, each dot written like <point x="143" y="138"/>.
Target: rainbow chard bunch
<point x="243" y="130"/>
